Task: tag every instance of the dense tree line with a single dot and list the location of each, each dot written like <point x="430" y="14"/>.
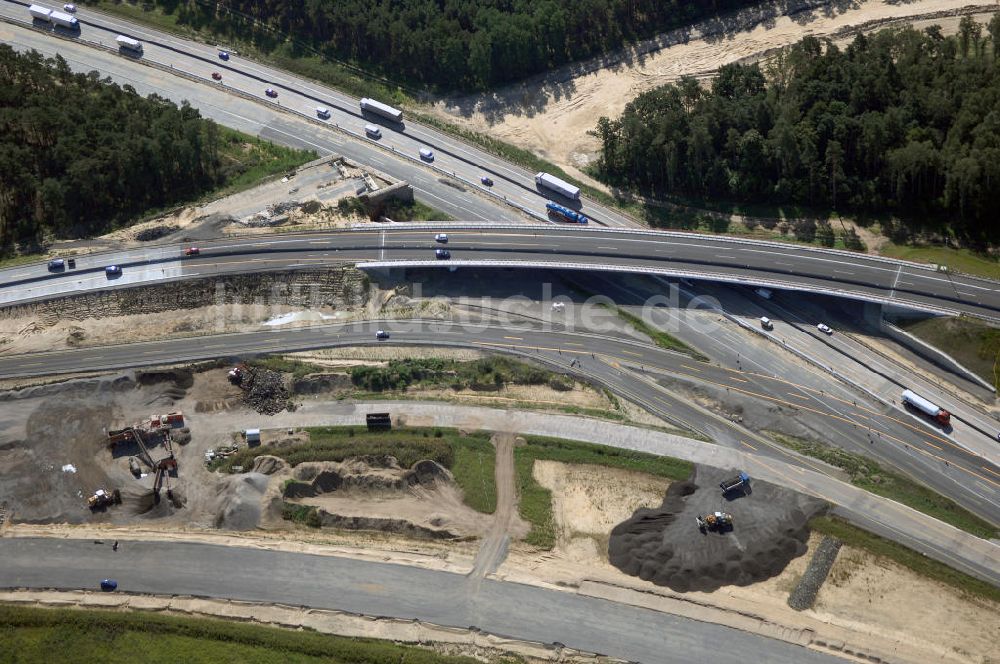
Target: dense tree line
<point x="449" y="43"/>
<point x="80" y="155"/>
<point x="904" y="122"/>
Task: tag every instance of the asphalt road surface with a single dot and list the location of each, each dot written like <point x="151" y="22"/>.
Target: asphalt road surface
<point x="380" y="589"/>
<point x="555" y="247"/>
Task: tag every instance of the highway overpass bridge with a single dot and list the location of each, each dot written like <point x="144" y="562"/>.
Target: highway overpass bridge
<point x="519" y="246"/>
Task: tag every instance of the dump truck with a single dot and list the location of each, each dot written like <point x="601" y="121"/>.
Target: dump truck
<point x="741" y="481"/>
<point x="929" y="409"/>
<point x="378" y="108"/>
<point x="715" y="521"/>
<point x="564" y="213"/>
<point x="103" y="498"/>
<point x="559" y="186"/>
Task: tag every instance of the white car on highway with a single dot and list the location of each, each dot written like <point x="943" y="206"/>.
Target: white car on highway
<point x="441" y="237"/>
<point x="824" y="328"/>
<point x="766" y="323"/>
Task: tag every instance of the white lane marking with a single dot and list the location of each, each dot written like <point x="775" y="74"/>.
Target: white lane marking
<point x="892" y="291"/>
<point x="381" y="255"/>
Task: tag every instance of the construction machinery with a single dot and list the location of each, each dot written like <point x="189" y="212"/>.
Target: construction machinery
<point x="163" y="470"/>
<point x="715" y="521"/>
<point x="103" y="498"/>
<point x="740" y="482"/>
<point x="243" y="376"/>
<point x="221" y="452"/>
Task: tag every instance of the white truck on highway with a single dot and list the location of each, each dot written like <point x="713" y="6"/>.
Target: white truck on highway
<point x="929" y="409"/>
<point x="378" y="108"/>
<point x="559" y="186"/>
<point x="129" y="44"/>
<point x="54" y="17"/>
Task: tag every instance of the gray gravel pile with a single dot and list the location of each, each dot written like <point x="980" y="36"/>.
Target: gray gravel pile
<point x="665" y="546"/>
<point x="804" y="595"/>
<point x="268" y="395"/>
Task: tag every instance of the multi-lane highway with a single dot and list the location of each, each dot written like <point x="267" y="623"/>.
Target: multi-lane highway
<point x="851" y="274"/>
<point x="380" y="589"/>
<point x="558" y="247"/>
<point x="196" y="63"/>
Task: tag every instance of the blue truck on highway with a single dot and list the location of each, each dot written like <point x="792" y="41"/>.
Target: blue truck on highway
<point x="565" y="214"/>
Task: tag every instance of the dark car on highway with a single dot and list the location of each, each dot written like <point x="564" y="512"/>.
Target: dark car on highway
<point x="57" y="265"/>
<point x="223" y="55"/>
<point x="112" y="271"/>
<point x="217" y="76"/>
<point x="108" y="585"/>
<point x="442" y="254"/>
<point x="271" y="92"/>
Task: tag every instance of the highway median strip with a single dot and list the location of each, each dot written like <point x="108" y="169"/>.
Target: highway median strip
<point x="659" y="337"/>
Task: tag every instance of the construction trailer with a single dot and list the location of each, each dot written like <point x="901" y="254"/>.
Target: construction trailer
<point x="378" y="421"/>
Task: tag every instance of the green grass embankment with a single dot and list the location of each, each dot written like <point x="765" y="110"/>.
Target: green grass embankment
<point x="42" y="636"/>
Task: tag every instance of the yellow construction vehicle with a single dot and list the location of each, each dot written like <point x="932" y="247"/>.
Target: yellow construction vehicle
<point x="103" y="498"/>
<point x="715" y="521"/>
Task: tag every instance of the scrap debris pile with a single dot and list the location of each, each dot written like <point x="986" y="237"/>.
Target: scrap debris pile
<point x="263" y="390"/>
<point x="273" y="215"/>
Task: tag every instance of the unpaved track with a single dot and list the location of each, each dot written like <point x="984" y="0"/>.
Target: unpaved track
<point x="493" y="549"/>
<point x="551" y="115"/>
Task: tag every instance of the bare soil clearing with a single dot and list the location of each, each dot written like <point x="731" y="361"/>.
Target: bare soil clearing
<point x="552" y="115"/>
<point x="868" y="603"/>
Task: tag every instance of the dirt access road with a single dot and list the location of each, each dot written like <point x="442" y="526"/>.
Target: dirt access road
<point x="493" y="548"/>
<point x="551" y="115"/>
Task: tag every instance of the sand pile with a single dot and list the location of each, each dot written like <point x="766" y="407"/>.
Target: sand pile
<point x="665" y="546"/>
<point x="240" y="507"/>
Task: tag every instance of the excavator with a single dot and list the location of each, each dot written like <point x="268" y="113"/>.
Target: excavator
<point x="163" y="469"/>
<point x="715" y="521"/>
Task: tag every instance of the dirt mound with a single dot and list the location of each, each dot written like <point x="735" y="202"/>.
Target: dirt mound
<point x="240" y="508"/>
<point x="397" y="526"/>
<point x="155" y="506"/>
<point x="361" y="475"/>
<point x="181" y="378"/>
<point x="317" y="383"/>
<point x="268" y="395"/>
<point x="665" y="546"/>
<point x="268" y="465"/>
<point x="155" y="233"/>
